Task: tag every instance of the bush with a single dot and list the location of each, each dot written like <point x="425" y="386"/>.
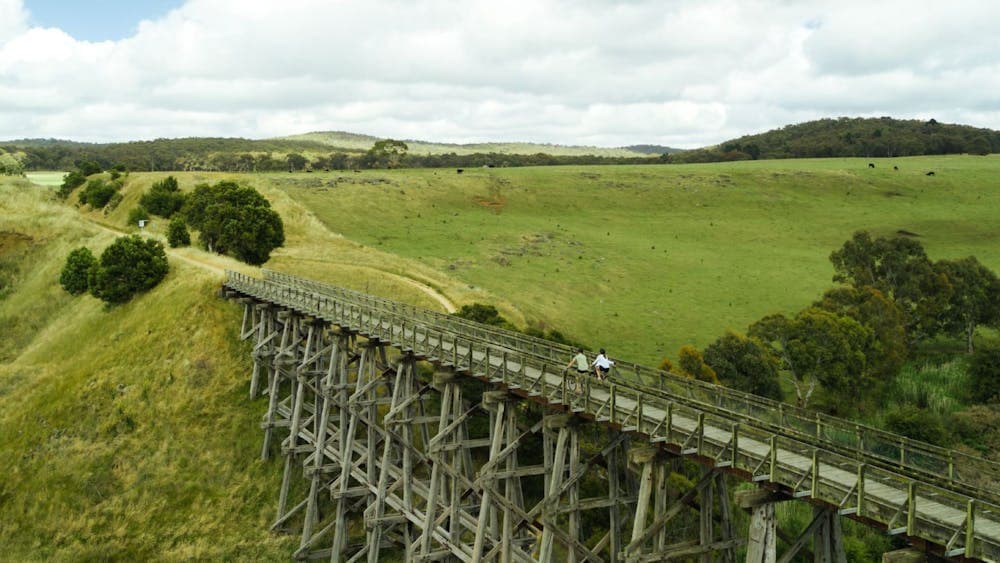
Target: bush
<point x="917" y="423"/>
<point x="114" y="202"/>
<point x="177" y="233"/>
<point x="138" y="213"/>
<point x="984" y="374"/>
<point x="485" y="314"/>
<point x="692" y="364"/>
<point x="71" y="181"/>
<point x="130" y="265"/>
<point x="98" y="193"/>
<point x="979" y="428"/>
<point x="75" y="274"/>
<point x="88" y="167"/>
<point x="164" y="198"/>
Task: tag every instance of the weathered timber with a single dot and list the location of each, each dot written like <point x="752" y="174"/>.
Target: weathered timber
<point x="345" y="402"/>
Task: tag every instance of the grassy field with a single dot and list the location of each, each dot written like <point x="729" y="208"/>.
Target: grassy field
<point x="46" y="178"/>
<point x="644" y="259"/>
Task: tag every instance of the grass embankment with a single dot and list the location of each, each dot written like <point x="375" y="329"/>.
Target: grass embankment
<point x="126" y="433"/>
<point x="644" y="259"/>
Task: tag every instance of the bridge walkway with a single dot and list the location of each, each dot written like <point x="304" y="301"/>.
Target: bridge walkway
<point x="927" y="493"/>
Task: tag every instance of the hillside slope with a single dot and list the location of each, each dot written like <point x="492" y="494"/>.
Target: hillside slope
<point x="126" y="433"/>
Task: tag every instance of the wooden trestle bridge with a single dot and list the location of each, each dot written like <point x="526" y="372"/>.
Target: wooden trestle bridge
<point x="398" y="461"/>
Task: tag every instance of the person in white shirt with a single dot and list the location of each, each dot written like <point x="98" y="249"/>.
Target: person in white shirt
<point x="602" y="365"/>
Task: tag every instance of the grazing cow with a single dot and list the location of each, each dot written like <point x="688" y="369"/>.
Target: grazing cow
<point x="931" y="173"/>
<point x="871" y="165"/>
<point x="459" y="170"/>
<point x="895" y="168"/>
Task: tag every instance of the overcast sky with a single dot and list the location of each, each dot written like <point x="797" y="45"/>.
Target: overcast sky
<point x="590" y="72"/>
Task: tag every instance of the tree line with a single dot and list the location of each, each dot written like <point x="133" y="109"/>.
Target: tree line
<point x="843" y="353"/>
<point x="850" y="137"/>
<point x="841" y="137"/>
<point x="242" y="156"/>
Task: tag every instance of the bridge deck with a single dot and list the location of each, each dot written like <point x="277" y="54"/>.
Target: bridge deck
<point x="897" y="493"/>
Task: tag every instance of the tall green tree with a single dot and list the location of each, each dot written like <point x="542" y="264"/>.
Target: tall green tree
<point x="236" y="220"/>
<point x="10" y="165"/>
<point x="900" y="269"/>
<point x="296" y="161"/>
<point x="886" y="349"/>
<point x="746" y="364"/>
<point x="818" y="347"/>
<point x="974" y="300"/>
<point x="386" y="153"/>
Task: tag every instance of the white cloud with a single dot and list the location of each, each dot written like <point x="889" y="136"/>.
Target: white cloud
<point x="13" y="19"/>
<point x="683" y="73"/>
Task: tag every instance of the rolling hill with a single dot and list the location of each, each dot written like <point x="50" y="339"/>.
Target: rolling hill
<point x="851" y="137"/>
<point x="353" y="141"/>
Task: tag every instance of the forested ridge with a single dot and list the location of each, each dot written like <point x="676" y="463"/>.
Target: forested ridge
<point x="840" y="137"/>
<point x="268" y="155"/>
<point x="851" y="137"/>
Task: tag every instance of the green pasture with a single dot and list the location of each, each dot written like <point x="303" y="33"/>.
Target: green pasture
<point x="644" y="259"/>
<point x="46" y="178"/>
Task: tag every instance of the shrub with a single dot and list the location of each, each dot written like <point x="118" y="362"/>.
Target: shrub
<point x="486" y="314"/>
<point x="979" y="427"/>
<point x="113" y="204"/>
<point x="130" y="265"/>
<point x="71" y="181"/>
<point x="164" y="198"/>
<point x="177" y="233"/>
<point x="984" y="374"/>
<point x="88" y="167"/>
<point x="666" y="365"/>
<point x="76" y="273"/>
<point x="917" y="423"/>
<point x="98" y="193"/>
<point x="137" y="214"/>
<point x="692" y="364"/>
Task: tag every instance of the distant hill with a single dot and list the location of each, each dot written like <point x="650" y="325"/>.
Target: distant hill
<point x="317" y="150"/>
<point x="847" y="137"/>
<point x="354" y="141"/>
<point x="653" y="149"/>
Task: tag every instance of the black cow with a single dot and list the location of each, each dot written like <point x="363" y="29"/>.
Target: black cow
<point x="931" y="173"/>
<point x="871" y="165"/>
<point x="895" y="168"/>
<point x="460" y="170"/>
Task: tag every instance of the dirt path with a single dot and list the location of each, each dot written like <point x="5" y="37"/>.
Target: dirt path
<point x="170" y="251"/>
<point x="221" y="271"/>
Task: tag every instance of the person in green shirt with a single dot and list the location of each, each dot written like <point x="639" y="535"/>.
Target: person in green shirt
<point x="582" y="366"/>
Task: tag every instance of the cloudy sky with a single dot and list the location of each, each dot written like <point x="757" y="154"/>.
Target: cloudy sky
<point x="587" y="72"/>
